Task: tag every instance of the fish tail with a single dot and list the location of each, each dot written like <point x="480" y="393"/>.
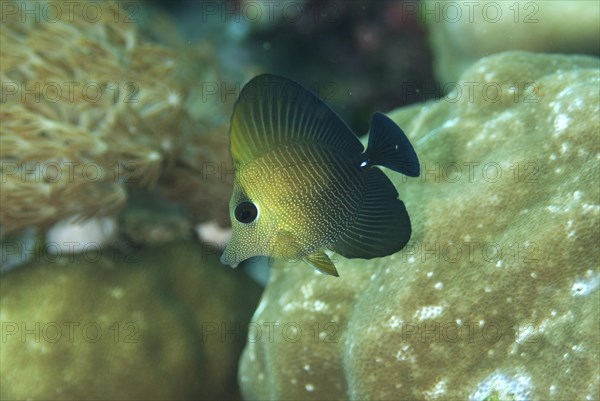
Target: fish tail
<point x="389" y="147"/>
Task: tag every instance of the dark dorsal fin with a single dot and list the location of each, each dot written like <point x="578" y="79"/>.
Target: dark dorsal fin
<point x="273" y="111"/>
<point x="389" y="147"/>
<point x="382" y="226"/>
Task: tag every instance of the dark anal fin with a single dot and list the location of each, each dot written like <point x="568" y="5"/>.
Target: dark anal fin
<point x="382" y="226"/>
<point x="389" y="147"/>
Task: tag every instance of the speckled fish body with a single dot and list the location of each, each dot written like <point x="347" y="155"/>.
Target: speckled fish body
<point x="306" y="179"/>
<point x="303" y="183"/>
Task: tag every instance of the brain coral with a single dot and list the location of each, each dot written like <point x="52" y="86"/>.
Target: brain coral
<point x="463" y="32"/>
<point x="155" y="324"/>
<point x="496" y="296"/>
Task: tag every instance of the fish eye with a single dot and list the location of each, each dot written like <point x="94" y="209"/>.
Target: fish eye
<point x="246" y="212"/>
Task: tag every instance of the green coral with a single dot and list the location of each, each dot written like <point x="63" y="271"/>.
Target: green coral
<point x="463" y="32"/>
<point x="124" y="325"/>
<point x="497" y="291"/>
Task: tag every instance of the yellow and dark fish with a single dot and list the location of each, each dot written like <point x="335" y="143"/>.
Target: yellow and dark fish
<point x="303" y="184"/>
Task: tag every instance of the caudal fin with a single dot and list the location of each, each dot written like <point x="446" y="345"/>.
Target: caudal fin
<point x="389" y="147"/>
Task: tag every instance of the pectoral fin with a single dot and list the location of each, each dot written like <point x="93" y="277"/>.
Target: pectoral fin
<point x="320" y="261"/>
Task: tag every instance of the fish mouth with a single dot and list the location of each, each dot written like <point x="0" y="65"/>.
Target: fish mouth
<point x="227" y="259"/>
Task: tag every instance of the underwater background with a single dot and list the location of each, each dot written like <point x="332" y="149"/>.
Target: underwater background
<point x="116" y="176"/>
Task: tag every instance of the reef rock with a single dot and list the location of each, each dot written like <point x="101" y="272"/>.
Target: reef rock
<point x="158" y="324"/>
<point x="463" y="31"/>
<point x="496" y="295"/>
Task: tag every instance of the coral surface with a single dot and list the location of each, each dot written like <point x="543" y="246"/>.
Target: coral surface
<point x="158" y="324"/>
<point x="461" y="31"/>
<point x="496" y="295"/>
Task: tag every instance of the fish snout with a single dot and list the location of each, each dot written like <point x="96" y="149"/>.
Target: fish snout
<point x="227" y="259"/>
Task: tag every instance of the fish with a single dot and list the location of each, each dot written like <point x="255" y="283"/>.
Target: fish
<point x="304" y="186"/>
